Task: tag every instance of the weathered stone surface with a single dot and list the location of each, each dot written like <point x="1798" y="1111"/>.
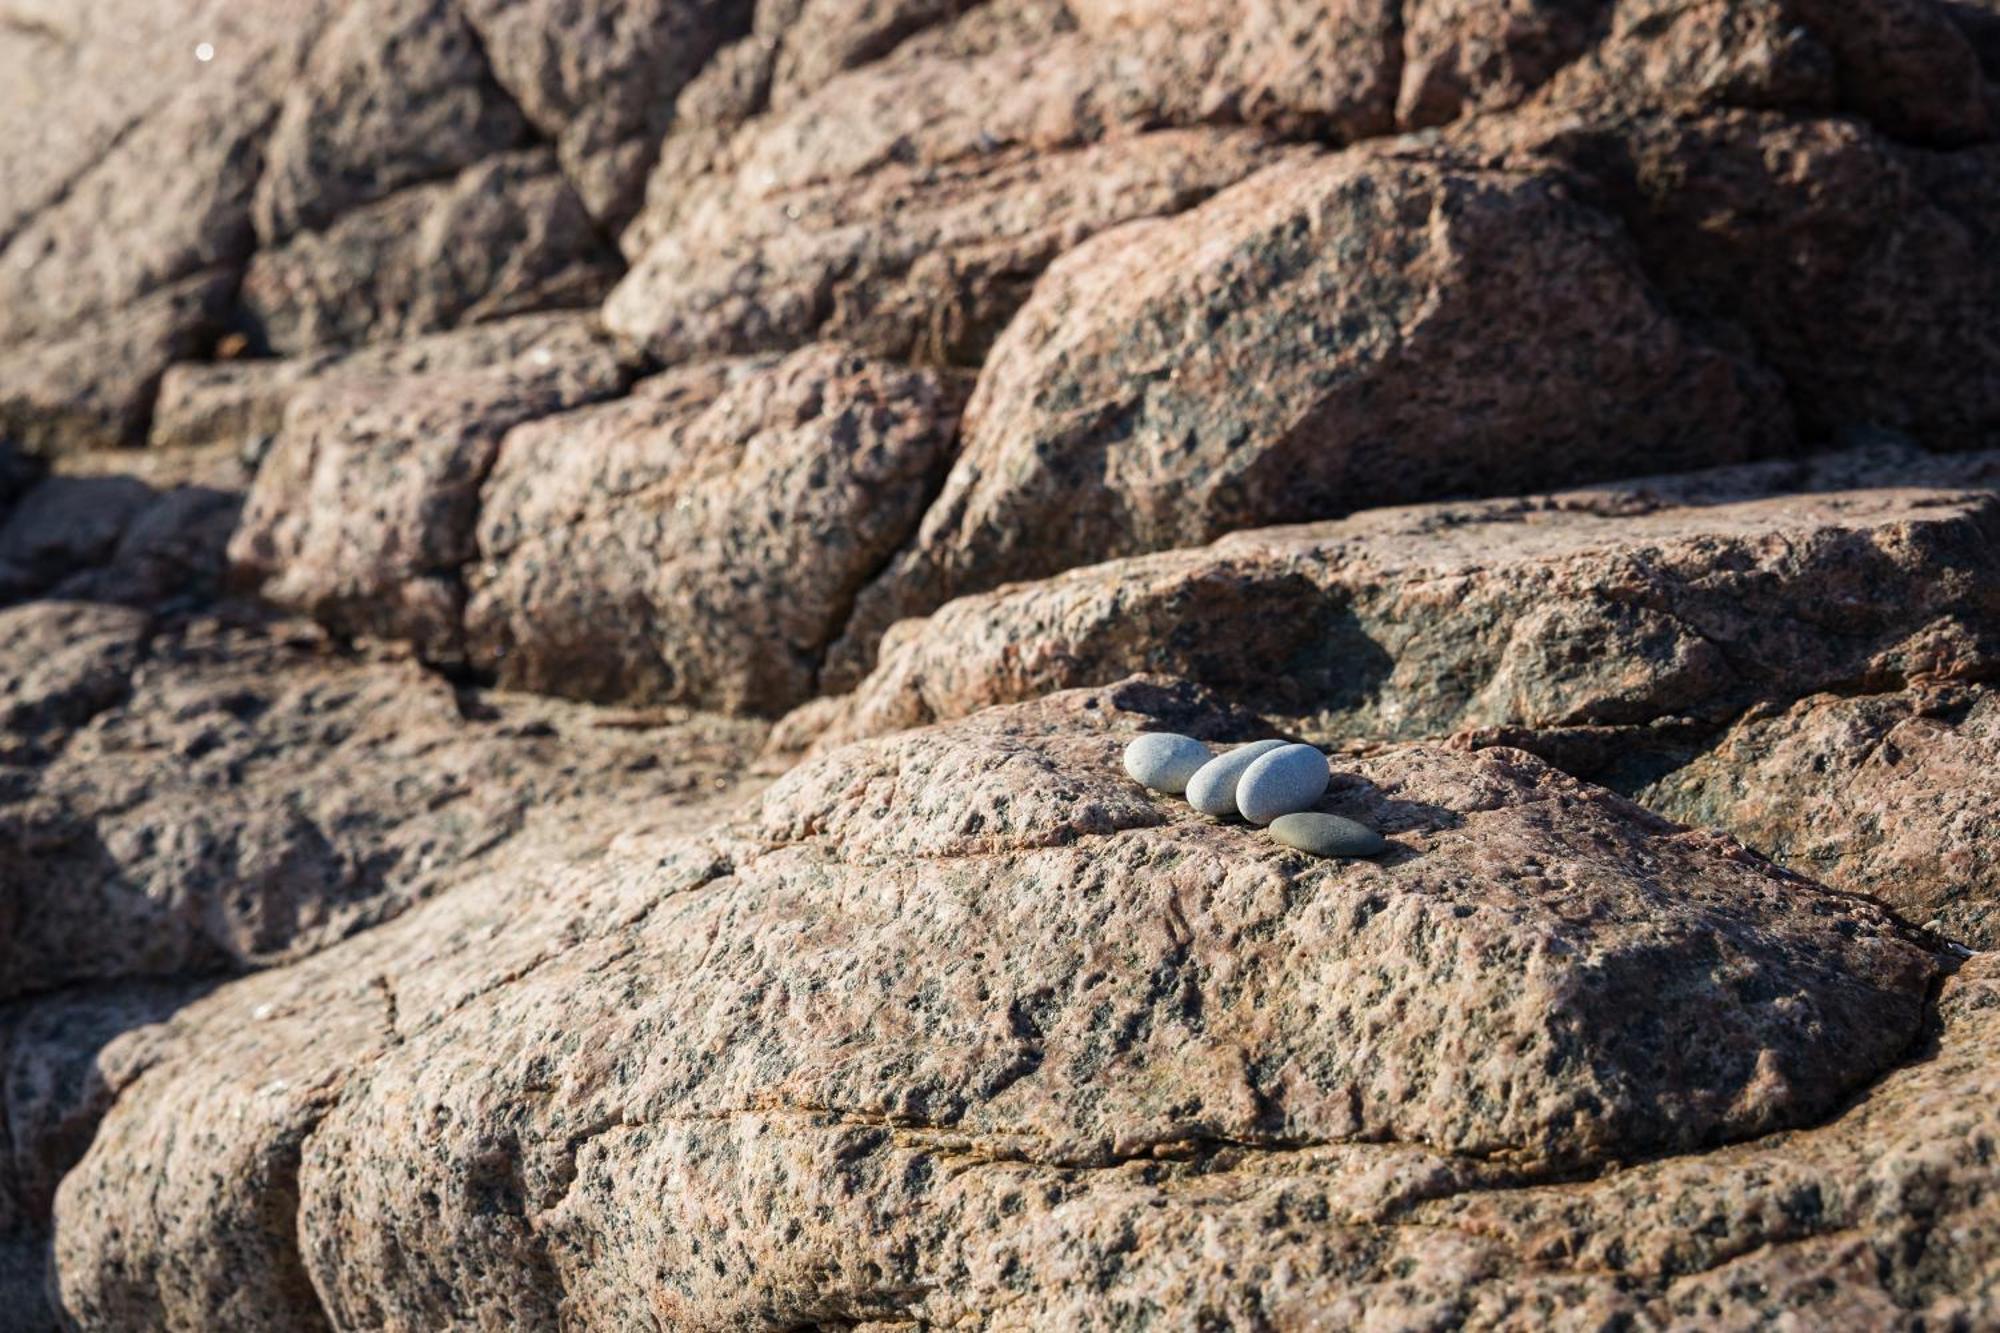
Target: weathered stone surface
<point x="92" y="386"/>
<point x="1895" y="795"/>
<point x="702" y="539"/>
<point x="64" y="524"/>
<point x="600" y="79"/>
<point x="53" y="1088"/>
<point x="169" y="196"/>
<point x="504" y="237"/>
<point x="975" y="155"/>
<point x="1460" y="55"/>
<point x="872" y="1103"/>
<point x="1329" y="335"/>
<point x="258" y="796"/>
<point x="397" y="92"/>
<point x="66" y="662"/>
<point x="924" y="259"/>
<point x="1617" y="606"/>
<point x="242" y="403"/>
<point x="130" y="166"/>
<point x="959" y="1028"/>
<point x="363" y="513"/>
<point x="1883" y="319"/>
<point x="110" y="527"/>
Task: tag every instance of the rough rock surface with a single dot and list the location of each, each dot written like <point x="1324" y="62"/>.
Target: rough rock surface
<point x="503" y="237"/>
<point x="1613" y="606"/>
<point x="108" y="527"/>
<point x="617" y="349"/>
<point x="1328" y="335"/>
<point x="53" y="1088"/>
<point x="702" y="539"/>
<point x="1895" y="795"/>
<point x="363" y="512"/>
<point x="831" y="1125"/>
<point x="229" y="795"/>
<point x="242" y="403"/>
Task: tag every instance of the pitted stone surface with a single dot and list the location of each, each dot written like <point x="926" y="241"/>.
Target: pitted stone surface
<point x="363" y="513"/>
<point x="1543" y="975"/>
<point x="1619" y="606"/>
<point x="218" y="796"/>
<point x="702" y="539"/>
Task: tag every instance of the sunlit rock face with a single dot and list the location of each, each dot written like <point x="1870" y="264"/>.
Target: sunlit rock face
<point x="579" y="580"/>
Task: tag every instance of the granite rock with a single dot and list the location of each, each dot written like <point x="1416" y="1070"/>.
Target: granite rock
<point x="54" y="1084"/>
<point x="600" y="79"/>
<point x="241" y="403"/>
<point x="1329" y="335"/>
<point x="1618" y="606"/>
<point x="226" y="796"/>
<point x="396" y="93"/>
<point x="363" y="513"/>
<point x="511" y="1103"/>
<point x="504" y="237"/>
<point x="701" y="539"/>
<point x="1895" y="795"/>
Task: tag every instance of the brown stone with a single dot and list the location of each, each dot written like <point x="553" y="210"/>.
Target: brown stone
<point x="1329" y="335"/>
<point x="1618" y="606"/>
<point x="1894" y="795"/>
<point x="504" y="237"/>
<point x="805" y="1068"/>
<point x="922" y="260"/>
<point x="92" y="386"/>
<point x="397" y="92"/>
<point x="702" y="539"/>
<point x="242" y="403"/>
<point x="68" y="661"/>
<point x="363" y="513"/>
<point x="600" y="79"/>
<point x="243" y="796"/>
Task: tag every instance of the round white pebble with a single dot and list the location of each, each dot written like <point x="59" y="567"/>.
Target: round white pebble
<point x="1165" y="761"/>
<point x="1326" y="835"/>
<point x="1287" y="779"/>
<point x="1212" y="790"/>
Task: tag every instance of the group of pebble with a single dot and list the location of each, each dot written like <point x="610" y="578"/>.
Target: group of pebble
<point x="1267" y="782"/>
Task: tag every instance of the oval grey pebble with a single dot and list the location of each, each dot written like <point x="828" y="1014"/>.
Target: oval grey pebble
<point x="1165" y="761"/>
<point x="1289" y="778"/>
<point x="1212" y="790"/>
<point x="1326" y="835"/>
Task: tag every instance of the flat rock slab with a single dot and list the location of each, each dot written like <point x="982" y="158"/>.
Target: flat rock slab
<point x="672" y="1084"/>
<point x="211" y="797"/>
<point x="1618" y="606"/>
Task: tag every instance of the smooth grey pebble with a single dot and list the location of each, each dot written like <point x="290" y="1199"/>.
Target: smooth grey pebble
<point x="1212" y="790"/>
<point x="1164" y="761"/>
<point x="1327" y="835"/>
<point x="1289" y="778"/>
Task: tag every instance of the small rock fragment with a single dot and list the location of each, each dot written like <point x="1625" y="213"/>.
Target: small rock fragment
<point x="1289" y="778"/>
<point x="1326" y="835"/>
<point x="1212" y="790"/>
<point x="1165" y="760"/>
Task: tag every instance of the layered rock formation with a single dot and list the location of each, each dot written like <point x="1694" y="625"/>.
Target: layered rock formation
<point x="1575" y="416"/>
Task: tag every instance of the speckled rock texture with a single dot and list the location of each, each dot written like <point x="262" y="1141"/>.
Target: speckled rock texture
<point x="1305" y="344"/>
<point x="1895" y="795"/>
<point x="413" y="412"/>
<point x="550" y="1116"/>
<point x="1621" y="605"/>
<point x="363" y="512"/>
<point x="225" y="796"/>
<point x="703" y="538"/>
